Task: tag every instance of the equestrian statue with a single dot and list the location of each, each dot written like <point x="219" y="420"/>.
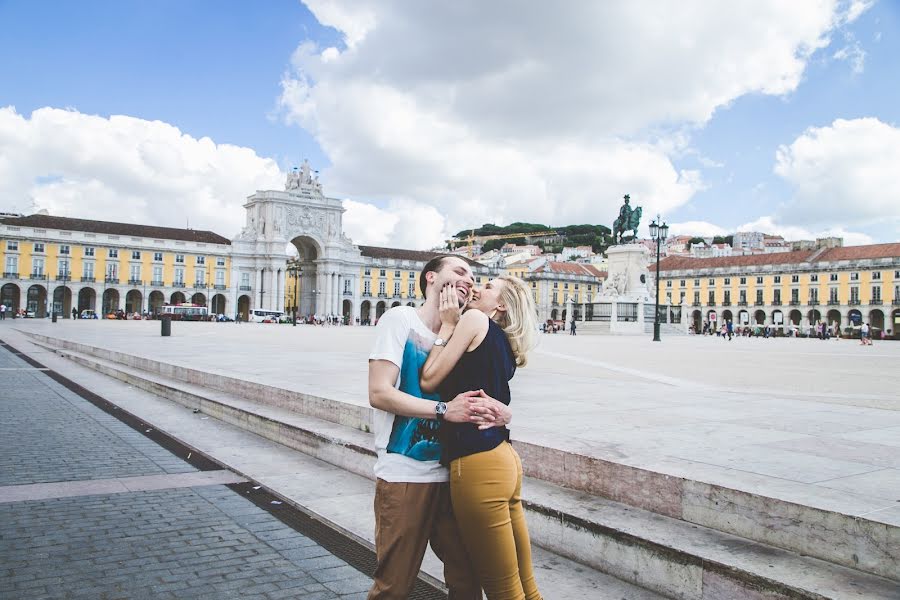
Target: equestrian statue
<point x="628" y="220"/>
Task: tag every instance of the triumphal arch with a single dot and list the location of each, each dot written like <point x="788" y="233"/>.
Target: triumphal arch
<point x="302" y="216"/>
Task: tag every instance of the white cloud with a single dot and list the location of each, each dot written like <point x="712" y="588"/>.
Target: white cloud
<point x="126" y="169"/>
<point x="488" y="112"/>
<point x="843" y="175"/>
<point x="853" y="53"/>
<point x="697" y="229"/>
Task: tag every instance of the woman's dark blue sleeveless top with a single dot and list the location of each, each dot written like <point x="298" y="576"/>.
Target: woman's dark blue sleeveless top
<point x="488" y="367"/>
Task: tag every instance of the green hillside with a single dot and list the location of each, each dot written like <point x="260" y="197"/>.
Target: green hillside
<point x="598" y="237"/>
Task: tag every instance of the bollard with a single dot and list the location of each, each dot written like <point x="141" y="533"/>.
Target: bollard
<point x="53" y="318"/>
<point x="166" y="326"/>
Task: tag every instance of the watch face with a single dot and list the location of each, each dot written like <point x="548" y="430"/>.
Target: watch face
<point x="440" y="408"/>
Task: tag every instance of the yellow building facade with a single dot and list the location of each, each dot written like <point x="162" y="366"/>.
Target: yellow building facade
<point x="64" y="265"/>
<point x="846" y="286"/>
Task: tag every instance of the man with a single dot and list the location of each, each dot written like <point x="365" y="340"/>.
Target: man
<point x="572" y="328"/>
<point x="412" y="493"/>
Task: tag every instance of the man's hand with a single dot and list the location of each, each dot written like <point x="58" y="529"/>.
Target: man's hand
<point x="477" y="407"/>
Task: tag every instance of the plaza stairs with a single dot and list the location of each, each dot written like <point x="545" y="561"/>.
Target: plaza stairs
<point x="665" y="534"/>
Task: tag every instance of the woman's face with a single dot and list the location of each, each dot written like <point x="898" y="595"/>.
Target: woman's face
<point x="486" y="298"/>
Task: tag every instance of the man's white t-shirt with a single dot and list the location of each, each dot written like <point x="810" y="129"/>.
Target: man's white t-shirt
<point x="408" y="448"/>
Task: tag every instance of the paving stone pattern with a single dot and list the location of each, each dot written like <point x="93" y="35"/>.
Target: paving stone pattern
<point x="201" y="542"/>
<point x="59" y="436"/>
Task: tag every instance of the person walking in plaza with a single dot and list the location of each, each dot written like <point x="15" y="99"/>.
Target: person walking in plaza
<point x="729" y="327"/>
<point x="486" y="345"/>
<point x="412" y="493"/>
<point x="2" y="312"/>
<point x="572" y="328"/>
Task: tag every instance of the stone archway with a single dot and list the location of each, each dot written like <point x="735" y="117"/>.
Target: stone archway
<point x="895" y="324"/>
<point x="855" y="317"/>
<point x="759" y="317"/>
<point x="9" y="295"/>
<point x="177" y="298"/>
<point x="554" y="313"/>
<point x="87" y="300"/>
<point x="244" y="307"/>
<point x="134" y="302"/>
<point x="364" y="312"/>
<point x="347" y="311"/>
<point x="36" y="301"/>
<point x="697" y="321"/>
<point x="795" y="316"/>
<point x="309" y="286"/>
<point x="379" y="309"/>
<point x="815" y="316"/>
<point x="712" y="319"/>
<point x="218" y="305"/>
<point x="110" y="301"/>
<point x="62" y="302"/>
<point x="413" y="304"/>
<point x="727" y="316"/>
<point x="834" y="316"/>
<point x="876" y="320"/>
<point x="395" y="304"/>
<point x="777" y="318"/>
<point x="743" y="318"/>
<point x="156" y="300"/>
<point x="199" y="299"/>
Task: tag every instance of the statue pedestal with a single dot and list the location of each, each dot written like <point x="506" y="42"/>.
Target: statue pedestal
<point x="627" y="274"/>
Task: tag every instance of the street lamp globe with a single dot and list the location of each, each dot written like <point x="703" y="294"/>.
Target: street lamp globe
<point x="654" y="230"/>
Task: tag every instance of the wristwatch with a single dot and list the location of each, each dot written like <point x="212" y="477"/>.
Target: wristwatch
<point x="440" y="342"/>
<point x="440" y="409"/>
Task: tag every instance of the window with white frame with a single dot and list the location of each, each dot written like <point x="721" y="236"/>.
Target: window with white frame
<point x="179" y="259"/>
<point x="220" y="261"/>
<point x="157" y="275"/>
<point x="712" y="281"/>
<point x="759" y="281"/>
<point x="113" y="253"/>
<point x="833" y="295"/>
<point x="112" y="271"/>
<point x="135" y="255"/>
<point x="728" y="281"/>
<point x="367" y="271"/>
<point x="778" y="279"/>
<point x="397" y="287"/>
<point x="382" y="273"/>
<point x="64" y="249"/>
<point x="876" y="275"/>
<point x="87" y="270"/>
<point x="12" y="246"/>
<point x="199" y="276"/>
<point x="220" y="278"/>
<point x="396" y="273"/>
<point x="412" y="290"/>
<point x="135" y="273"/>
<point x="89" y="251"/>
<point x="157" y="257"/>
<point x="38" y="247"/>
<point x="37" y="266"/>
<point x="62" y="267"/>
<point x="854" y="294"/>
<point x="854" y="276"/>
<point x="697" y="282"/>
<point x="201" y="260"/>
<point x="381" y="285"/>
<point x="179" y="276"/>
<point x="346" y="286"/>
<point x="367" y="287"/>
<point x="832" y="277"/>
<point x="813" y="278"/>
<point x="245" y="280"/>
<point x="876" y="294"/>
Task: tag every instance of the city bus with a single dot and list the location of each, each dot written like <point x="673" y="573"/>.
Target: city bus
<point x="183" y="312"/>
<point x="265" y="316"/>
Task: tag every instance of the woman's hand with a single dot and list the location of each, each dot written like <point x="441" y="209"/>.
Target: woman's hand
<point x="450" y="310"/>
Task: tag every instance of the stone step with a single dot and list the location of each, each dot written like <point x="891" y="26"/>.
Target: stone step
<point x="785" y="516"/>
<point x="664" y="554"/>
<point x="329" y="494"/>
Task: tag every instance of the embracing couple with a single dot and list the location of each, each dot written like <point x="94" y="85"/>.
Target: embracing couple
<point x="446" y="472"/>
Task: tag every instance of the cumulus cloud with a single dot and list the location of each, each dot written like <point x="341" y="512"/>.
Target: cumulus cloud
<point x="697" y="229"/>
<point x="770" y="224"/>
<point x="844" y="173"/>
<point x="492" y="112"/>
<point x="126" y="169"/>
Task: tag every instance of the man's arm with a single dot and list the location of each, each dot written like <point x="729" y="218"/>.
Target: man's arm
<point x="384" y="396"/>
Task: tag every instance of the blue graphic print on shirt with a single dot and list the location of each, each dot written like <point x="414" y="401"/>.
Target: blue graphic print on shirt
<point x="410" y="436"/>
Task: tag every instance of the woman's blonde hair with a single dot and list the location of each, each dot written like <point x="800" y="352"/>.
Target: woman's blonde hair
<point x="519" y="321"/>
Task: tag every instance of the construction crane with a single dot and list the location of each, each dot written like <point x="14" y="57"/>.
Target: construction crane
<point x="469" y="241"/>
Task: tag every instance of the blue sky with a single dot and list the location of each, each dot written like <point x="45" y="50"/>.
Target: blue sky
<point x="394" y="121"/>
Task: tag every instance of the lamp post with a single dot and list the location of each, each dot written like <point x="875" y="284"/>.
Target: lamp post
<point x="294" y="269"/>
<point x="658" y="233"/>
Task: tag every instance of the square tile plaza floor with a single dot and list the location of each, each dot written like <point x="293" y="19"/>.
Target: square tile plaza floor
<point x="821" y="417"/>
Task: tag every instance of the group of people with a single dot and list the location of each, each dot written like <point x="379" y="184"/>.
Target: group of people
<point x="446" y="471"/>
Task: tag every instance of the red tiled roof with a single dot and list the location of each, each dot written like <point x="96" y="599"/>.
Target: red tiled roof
<point x="111" y="228"/>
<point x="861" y="252"/>
<point x="569" y="269"/>
<point x="680" y="263"/>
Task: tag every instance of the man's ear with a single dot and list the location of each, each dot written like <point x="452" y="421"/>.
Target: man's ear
<point x="430" y="275"/>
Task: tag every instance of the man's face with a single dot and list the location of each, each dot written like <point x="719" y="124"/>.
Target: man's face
<point x="456" y="272"/>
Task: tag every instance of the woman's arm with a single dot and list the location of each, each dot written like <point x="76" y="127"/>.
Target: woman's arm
<point x="442" y="359"/>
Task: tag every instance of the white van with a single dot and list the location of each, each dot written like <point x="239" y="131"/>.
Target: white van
<point x="265" y="316"/>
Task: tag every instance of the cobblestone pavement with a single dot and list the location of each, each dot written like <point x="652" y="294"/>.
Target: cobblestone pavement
<point x="180" y="542"/>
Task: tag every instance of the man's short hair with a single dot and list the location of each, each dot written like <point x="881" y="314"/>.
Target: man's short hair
<point x="435" y="264"/>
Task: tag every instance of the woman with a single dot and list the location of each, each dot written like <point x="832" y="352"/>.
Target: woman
<point x="482" y="350"/>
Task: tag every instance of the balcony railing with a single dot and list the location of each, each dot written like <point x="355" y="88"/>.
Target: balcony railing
<point x="38" y="276"/>
<point x="711" y="303"/>
<point x="875" y="302"/>
<point x="813" y="302"/>
<point x="219" y="286"/>
<point x="112" y="280"/>
<point x="10" y="275"/>
<point x="63" y="277"/>
<point x="382" y="295"/>
<point x="759" y="303"/>
<point x="834" y="302"/>
<point x="348" y="293"/>
<point x="244" y="288"/>
<point x="135" y="282"/>
<point x="157" y="283"/>
<point x="178" y="284"/>
<point x="367" y="294"/>
<point x="695" y="304"/>
<point x="742" y="303"/>
<point x="896" y="302"/>
<point x="726" y="303"/>
<point x="776" y="302"/>
<point x="795" y="303"/>
<point x="88" y="280"/>
<point x="854" y="302"/>
<point x="199" y="285"/>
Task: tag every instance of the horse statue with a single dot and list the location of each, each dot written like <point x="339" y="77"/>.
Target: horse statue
<point x="628" y="220"/>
